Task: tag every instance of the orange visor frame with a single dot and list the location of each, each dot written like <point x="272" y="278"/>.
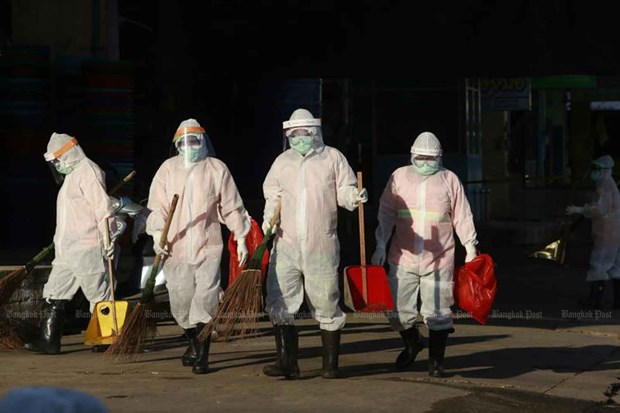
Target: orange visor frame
<point x="64" y="148"/>
<point x="184" y="131"/>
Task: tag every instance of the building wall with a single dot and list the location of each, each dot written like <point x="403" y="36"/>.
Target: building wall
<point x="71" y="27"/>
<point x="581" y="146"/>
<point x="495" y="126"/>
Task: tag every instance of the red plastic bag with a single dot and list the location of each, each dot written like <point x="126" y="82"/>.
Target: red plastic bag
<point x="253" y="240"/>
<point x="475" y="287"/>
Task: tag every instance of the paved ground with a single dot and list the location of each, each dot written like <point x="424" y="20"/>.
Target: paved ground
<point x="539" y="352"/>
<point x="495" y="368"/>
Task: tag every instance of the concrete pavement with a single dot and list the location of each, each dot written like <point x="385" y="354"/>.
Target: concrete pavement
<point x="573" y="362"/>
<point x="540" y="351"/>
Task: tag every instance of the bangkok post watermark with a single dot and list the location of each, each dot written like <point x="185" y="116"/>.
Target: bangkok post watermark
<point x="582" y="315"/>
<point x="459" y="314"/>
<point x="516" y="315"/>
<point x="22" y="315"/>
<point x="38" y="314"/>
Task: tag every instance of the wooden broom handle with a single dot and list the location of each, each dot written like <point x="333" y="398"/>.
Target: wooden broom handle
<point x="360" y="210"/>
<point x="276" y="214"/>
<point x="164" y="233"/>
<point x="111" y="274"/>
<point x="360" y="207"/>
<point x="126" y="179"/>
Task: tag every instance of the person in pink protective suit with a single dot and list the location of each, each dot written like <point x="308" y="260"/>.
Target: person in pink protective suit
<point x="423" y="205"/>
<point x="207" y="196"/>
<point x="82" y="211"/>
<point x="604" y="212"/>
<point x="310" y="181"/>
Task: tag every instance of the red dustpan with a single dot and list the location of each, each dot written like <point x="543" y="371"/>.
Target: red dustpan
<point x="366" y="288"/>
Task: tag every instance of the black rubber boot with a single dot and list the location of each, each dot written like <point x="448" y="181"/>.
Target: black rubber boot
<point x="616" y="293"/>
<point x="414" y="343"/>
<point x="597" y="290"/>
<point x="290" y="348"/>
<point x="437" y="340"/>
<point x="51" y="328"/>
<point x="190" y="354"/>
<point x="201" y="364"/>
<point x="331" y="350"/>
<point x="275" y="370"/>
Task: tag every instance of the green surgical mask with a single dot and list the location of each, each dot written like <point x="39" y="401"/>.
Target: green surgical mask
<point x="426" y="169"/>
<point x="302" y="144"/>
<point x="191" y="154"/>
<point x="63" y="168"/>
<point x="596" y="175"/>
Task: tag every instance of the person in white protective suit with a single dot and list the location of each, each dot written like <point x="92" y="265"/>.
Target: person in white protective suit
<point x="207" y="194"/>
<point x="423" y="205"/>
<point x="310" y="180"/>
<point x="82" y="211"/>
<point x="604" y="212"/>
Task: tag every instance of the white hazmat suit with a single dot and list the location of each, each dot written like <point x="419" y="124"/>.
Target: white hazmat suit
<point x="310" y="180"/>
<point x="604" y="212"/>
<point x="82" y="211"/>
<point x="207" y="193"/>
<point x="206" y="189"/>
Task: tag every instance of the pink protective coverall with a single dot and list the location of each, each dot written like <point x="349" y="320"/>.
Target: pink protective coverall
<point x="82" y="208"/>
<point x="206" y="189"/>
<point x="424" y="212"/>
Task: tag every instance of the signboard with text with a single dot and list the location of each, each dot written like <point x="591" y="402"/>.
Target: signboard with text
<point x="512" y="93"/>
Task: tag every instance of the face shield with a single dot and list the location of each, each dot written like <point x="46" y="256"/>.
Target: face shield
<point x="192" y="145"/>
<point x="302" y="135"/>
<point x="58" y="167"/>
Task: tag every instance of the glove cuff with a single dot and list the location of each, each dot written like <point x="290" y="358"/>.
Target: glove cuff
<point x="470" y="247"/>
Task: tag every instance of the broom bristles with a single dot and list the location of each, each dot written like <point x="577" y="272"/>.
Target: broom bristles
<point x="240" y="308"/>
<point x="10" y="283"/>
<point x="138" y="331"/>
<point x="9" y="340"/>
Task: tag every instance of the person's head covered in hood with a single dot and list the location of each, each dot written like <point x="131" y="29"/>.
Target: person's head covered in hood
<point x="192" y="142"/>
<point x="303" y="131"/>
<point x="426" y="154"/>
<point x="63" y="154"/>
<point x="601" y="167"/>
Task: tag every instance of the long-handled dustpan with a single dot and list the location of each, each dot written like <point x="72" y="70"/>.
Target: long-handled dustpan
<point x="108" y="316"/>
<point x="366" y="287"/>
<point x="556" y="249"/>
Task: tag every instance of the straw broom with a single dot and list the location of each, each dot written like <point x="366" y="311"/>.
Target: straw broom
<point x="10" y="283"/>
<point x="242" y="303"/>
<point x="140" y="326"/>
<point x="9" y="340"/>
